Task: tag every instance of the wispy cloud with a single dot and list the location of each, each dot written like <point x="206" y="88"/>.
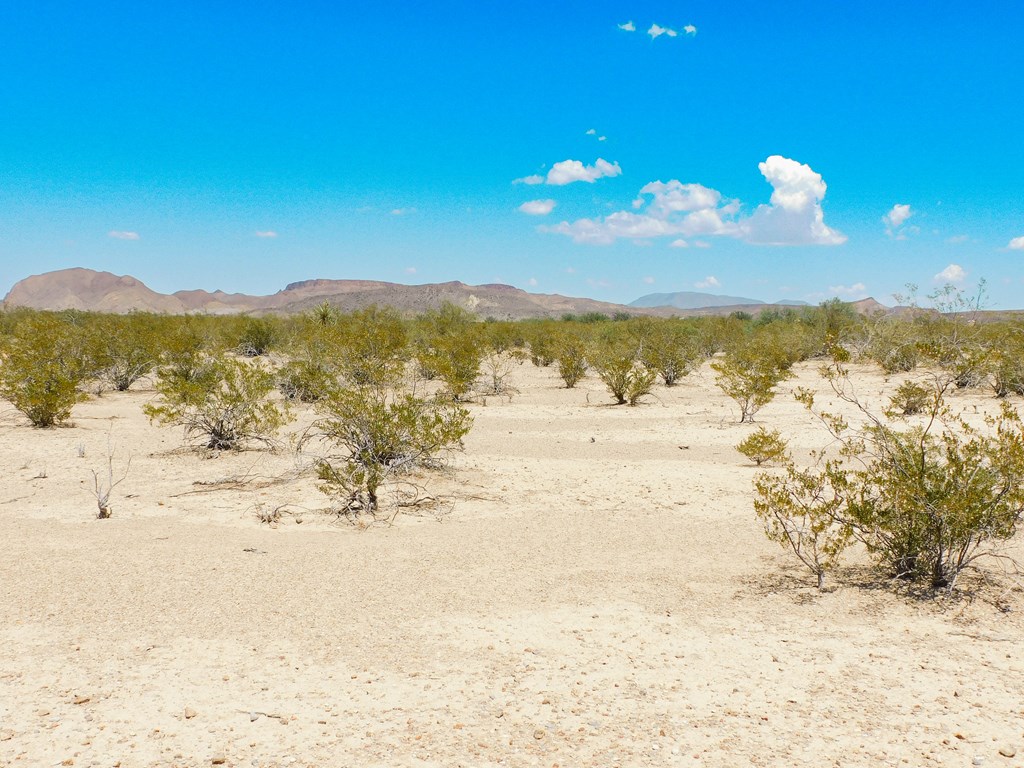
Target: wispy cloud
<point x="410" y="270"/>
<point x="648" y="280"/>
<point x="538" y="207"/>
<point x="122" y="235"/>
<point x="593" y="133"/>
<point x="532" y="282"/>
<point x="1017" y="244"/>
<point x="957" y="239"/>
<point x="656" y="31"/>
<point x="402" y="211"/>
<point x="793" y="216"/>
<point x="629" y="26"/>
<point x="534" y="179"/>
<point x="266" y="233"/>
<point x="857" y="289"/>
<point x="708" y="282"/>
<point x="954" y="273"/>
<point x="895" y="219"/>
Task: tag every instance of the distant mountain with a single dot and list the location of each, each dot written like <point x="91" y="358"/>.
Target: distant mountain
<point x="87" y="289"/>
<point x="692" y="300"/>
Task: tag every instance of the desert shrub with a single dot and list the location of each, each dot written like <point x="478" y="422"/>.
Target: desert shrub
<point x="223" y="403"/>
<point x="927" y="502"/>
<point x="626" y="379"/>
<point x="258" y="337"/>
<point x="450" y="346"/>
<point x="123" y="348"/>
<point x="749" y="373"/>
<point x="496" y="367"/>
<point x="304" y="380"/>
<point x="372" y="347"/>
<point x="571" y="356"/>
<point x="542" y="339"/>
<point x="910" y="398"/>
<point x="671" y="350"/>
<point x="763" y="445"/>
<point x="44" y="363"/>
<point x="381" y="437"/>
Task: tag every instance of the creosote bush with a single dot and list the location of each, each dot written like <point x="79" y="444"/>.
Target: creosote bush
<point x="626" y="379"/>
<point x="43" y="365"/>
<point x="763" y="446"/>
<point x="223" y="403"/>
<point x="749" y="373"/>
<point x="927" y="501"/>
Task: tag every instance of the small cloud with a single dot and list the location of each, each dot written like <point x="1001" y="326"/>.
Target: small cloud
<point x="569" y="171"/>
<point x="534" y="179"/>
<point x="956" y="239"/>
<point x="857" y="289"/>
<point x="402" y="211"/>
<point x="119" y="235"/>
<point x="708" y="282"/>
<point x="538" y="207"/>
<point x="649" y="280"/>
<point x="679" y="244"/>
<point x="1017" y="244"/>
<point x="895" y="219"/>
<point x="532" y="282"/>
<point x="602" y="138"/>
<point x="657" y="31"/>
<point x="410" y="270"/>
<point x="629" y="26"/>
<point x="591" y="132"/>
<point x="266" y="233"/>
<point x="701" y="244"/>
<point x="954" y="273"/>
<point x="690" y="30"/>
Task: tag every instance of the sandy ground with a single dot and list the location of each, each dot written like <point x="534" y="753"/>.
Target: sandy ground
<point x="594" y="591"/>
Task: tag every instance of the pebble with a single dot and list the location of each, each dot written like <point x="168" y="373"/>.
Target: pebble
<point x="6" y="735"/>
<point x="218" y="759"/>
<point x="538" y="734"/>
<point x="81" y="700"/>
<point x="1008" y="750"/>
<point x="190" y="713"/>
<point x="253" y="717"/>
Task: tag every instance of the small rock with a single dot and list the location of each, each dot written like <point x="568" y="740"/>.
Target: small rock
<point x="538" y="734"/>
<point x="1008" y="750"/>
<point x="218" y="759"/>
<point x="81" y="700"/>
<point x="6" y="735"/>
<point x="190" y="713"/>
<point x="253" y="717"/>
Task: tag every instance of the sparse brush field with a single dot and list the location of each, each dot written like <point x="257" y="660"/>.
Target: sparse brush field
<point x="365" y="540"/>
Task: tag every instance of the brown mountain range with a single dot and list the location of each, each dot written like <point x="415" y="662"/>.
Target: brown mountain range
<point x="86" y="289"/>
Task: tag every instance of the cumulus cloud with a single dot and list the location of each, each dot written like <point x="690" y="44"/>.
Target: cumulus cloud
<point x="895" y="219"/>
<point x="538" y="207"/>
<point x="857" y="289"/>
<point x="591" y="132"/>
<point x="690" y="30"/>
<point x="410" y="270"/>
<point x="954" y="273"/>
<point x="266" y="233"/>
<point x="568" y="171"/>
<point x="794" y="215"/>
<point x="121" y="235"/>
<point x="1017" y="244"/>
<point x="657" y="31"/>
<point x="629" y="26"/>
<point x="708" y="282"/>
<point x="532" y="282"/>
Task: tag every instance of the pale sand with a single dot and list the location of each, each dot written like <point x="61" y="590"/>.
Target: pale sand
<point x="597" y="592"/>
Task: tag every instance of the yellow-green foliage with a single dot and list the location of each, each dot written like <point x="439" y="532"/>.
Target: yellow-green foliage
<point x="223" y="402"/>
<point x="763" y="446"/>
<point x="44" y="363"/>
<point x="749" y="373"/>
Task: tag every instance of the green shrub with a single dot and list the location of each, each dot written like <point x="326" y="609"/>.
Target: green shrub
<point x="572" y="359"/>
<point x="763" y="445"/>
<point x="259" y="335"/>
<point x="381" y="438"/>
<point x="626" y="379"/>
<point x="224" y="404"/>
<point x="749" y="373"/>
<point x="910" y="399"/>
<point x="671" y="350"/>
<point x="44" y="363"/>
<point x="123" y="348"/>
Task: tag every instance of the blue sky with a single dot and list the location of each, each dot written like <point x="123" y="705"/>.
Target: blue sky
<point x="774" y="150"/>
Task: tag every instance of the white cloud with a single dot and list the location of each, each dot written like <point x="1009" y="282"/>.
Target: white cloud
<point x="591" y="132"/>
<point x="602" y="138"/>
<point x="657" y="31"/>
<point x="538" y="207"/>
<point x="649" y="280"/>
<point x="957" y="239"/>
<point x="708" y="282"/>
<point x="402" y="211"/>
<point x="680" y="243"/>
<point x="120" y="235"/>
<point x="895" y="219"/>
<point x="1017" y="244"/>
<point x="568" y="171"/>
<point x="701" y="244"/>
<point x="857" y="289"/>
<point x="266" y="233"/>
<point x="954" y="273"/>
<point x="534" y="179"/>
<point x="794" y="215"/>
<point x="532" y="282"/>
<point x="629" y="26"/>
<point x="410" y="270"/>
<point x="690" y="30"/>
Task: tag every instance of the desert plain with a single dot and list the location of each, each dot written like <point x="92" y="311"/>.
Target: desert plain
<point x="591" y="587"/>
